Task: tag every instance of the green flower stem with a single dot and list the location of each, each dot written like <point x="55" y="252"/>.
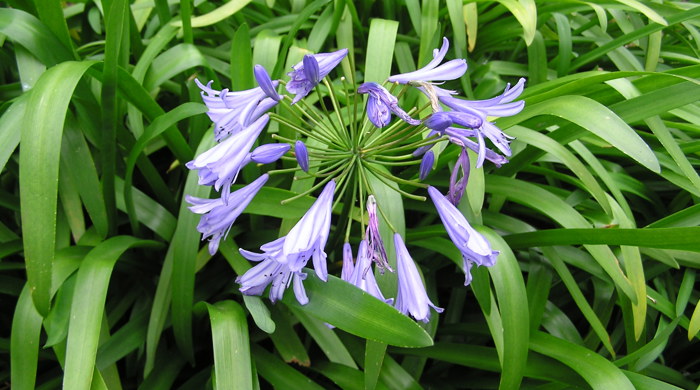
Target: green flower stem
<point x="336" y="108"/>
<point x="307" y="192"/>
<point x="316" y="121"/>
<point x="390" y="158"/>
<point x="321" y="137"/>
<point x="354" y="190"/>
<point x="413" y="145"/>
<point x="396" y="164"/>
<point x="343" y="140"/>
<point x="390" y="145"/>
<point x="384" y="180"/>
<point x="353" y="123"/>
<point x="393" y="178"/>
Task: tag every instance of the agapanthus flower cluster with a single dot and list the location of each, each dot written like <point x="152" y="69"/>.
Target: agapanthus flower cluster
<point x="345" y="151"/>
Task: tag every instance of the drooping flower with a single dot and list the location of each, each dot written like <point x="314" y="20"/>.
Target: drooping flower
<point x="433" y="71"/>
<point x="381" y="103"/>
<point x="308" y="237"/>
<point x="411" y="298"/>
<point x="268" y="153"/>
<point x="306" y="240"/>
<point x="361" y="274"/>
<point x="375" y="247"/>
<point x="348" y="262"/>
<point x="498" y="106"/>
<point x="271" y="272"/>
<point x="458" y="186"/>
<point x="426" y="165"/>
<point x="283" y="259"/>
<point x="220" y="165"/>
<point x="304" y="78"/>
<point x="302" y="155"/>
<point x="231" y="112"/>
<point x="218" y="215"/>
<point x="474" y="246"/>
<point x="459" y="137"/>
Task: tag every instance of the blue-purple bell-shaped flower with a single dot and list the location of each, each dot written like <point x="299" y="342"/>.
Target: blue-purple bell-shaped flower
<point x="311" y="70"/>
<point x="459" y="184"/>
<point x="474" y="246"/>
<point x="232" y="112"/>
<point x="219" y="215"/>
<point x="381" y="103"/>
<point x="375" y="243"/>
<point x="411" y="298"/>
<point x="433" y="71"/>
<point x="220" y="165"/>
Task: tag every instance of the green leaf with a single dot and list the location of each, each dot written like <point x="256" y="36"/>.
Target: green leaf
<point x="682" y="238"/>
<point x="24" y="342"/>
<point x="87" y="309"/>
<point x="373" y="319"/>
<point x="39" y="161"/>
<point x="216" y="15"/>
<point x="597" y="119"/>
<point x="229" y="333"/>
<point x="596" y="370"/>
<point x="33" y="35"/>
<point x="380" y="49"/>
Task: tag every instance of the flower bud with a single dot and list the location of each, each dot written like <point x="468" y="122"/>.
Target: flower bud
<point x="302" y="155"/>
<point x="268" y="153"/>
<point x="426" y="165"/>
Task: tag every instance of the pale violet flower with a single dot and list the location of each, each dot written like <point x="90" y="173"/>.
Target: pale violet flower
<point x="311" y="70"/>
<point x="271" y="272"/>
<point x="474" y="246"/>
<point x="433" y="71"/>
<point x="220" y="165"/>
<point x="441" y="120"/>
<point x="498" y="106"/>
<point x="411" y="298"/>
<point x="218" y="215"/>
<point x="381" y="103"/>
<point x="360" y="274"/>
<point x="231" y="112"/>
<point x="306" y="240"/>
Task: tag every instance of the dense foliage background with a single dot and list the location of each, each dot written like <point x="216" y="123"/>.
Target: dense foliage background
<point x="106" y="285"/>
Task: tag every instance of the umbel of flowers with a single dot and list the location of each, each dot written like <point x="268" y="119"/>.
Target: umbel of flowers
<point x="350" y="144"/>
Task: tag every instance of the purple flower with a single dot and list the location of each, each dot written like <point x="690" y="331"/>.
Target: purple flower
<point x="218" y="215"/>
<point x="309" y="236"/>
<point x="498" y="106"/>
<point x="302" y="155"/>
<point x="411" y="298"/>
<point x="426" y="165"/>
<point x="457" y="187"/>
<point x="361" y="275"/>
<point x="381" y="104"/>
<point x="265" y="83"/>
<point x="231" y="112"/>
<point x="433" y="71"/>
<point x="474" y="247"/>
<point x="283" y="259"/>
<point x="458" y="137"/>
<point x="441" y="120"/>
<point x="270" y="271"/>
<point x="306" y="240"/>
<point x="376" y="249"/>
<point x="348" y="262"/>
<point x="268" y="153"/>
<point x="221" y="164"/>
<point x="312" y="69"/>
